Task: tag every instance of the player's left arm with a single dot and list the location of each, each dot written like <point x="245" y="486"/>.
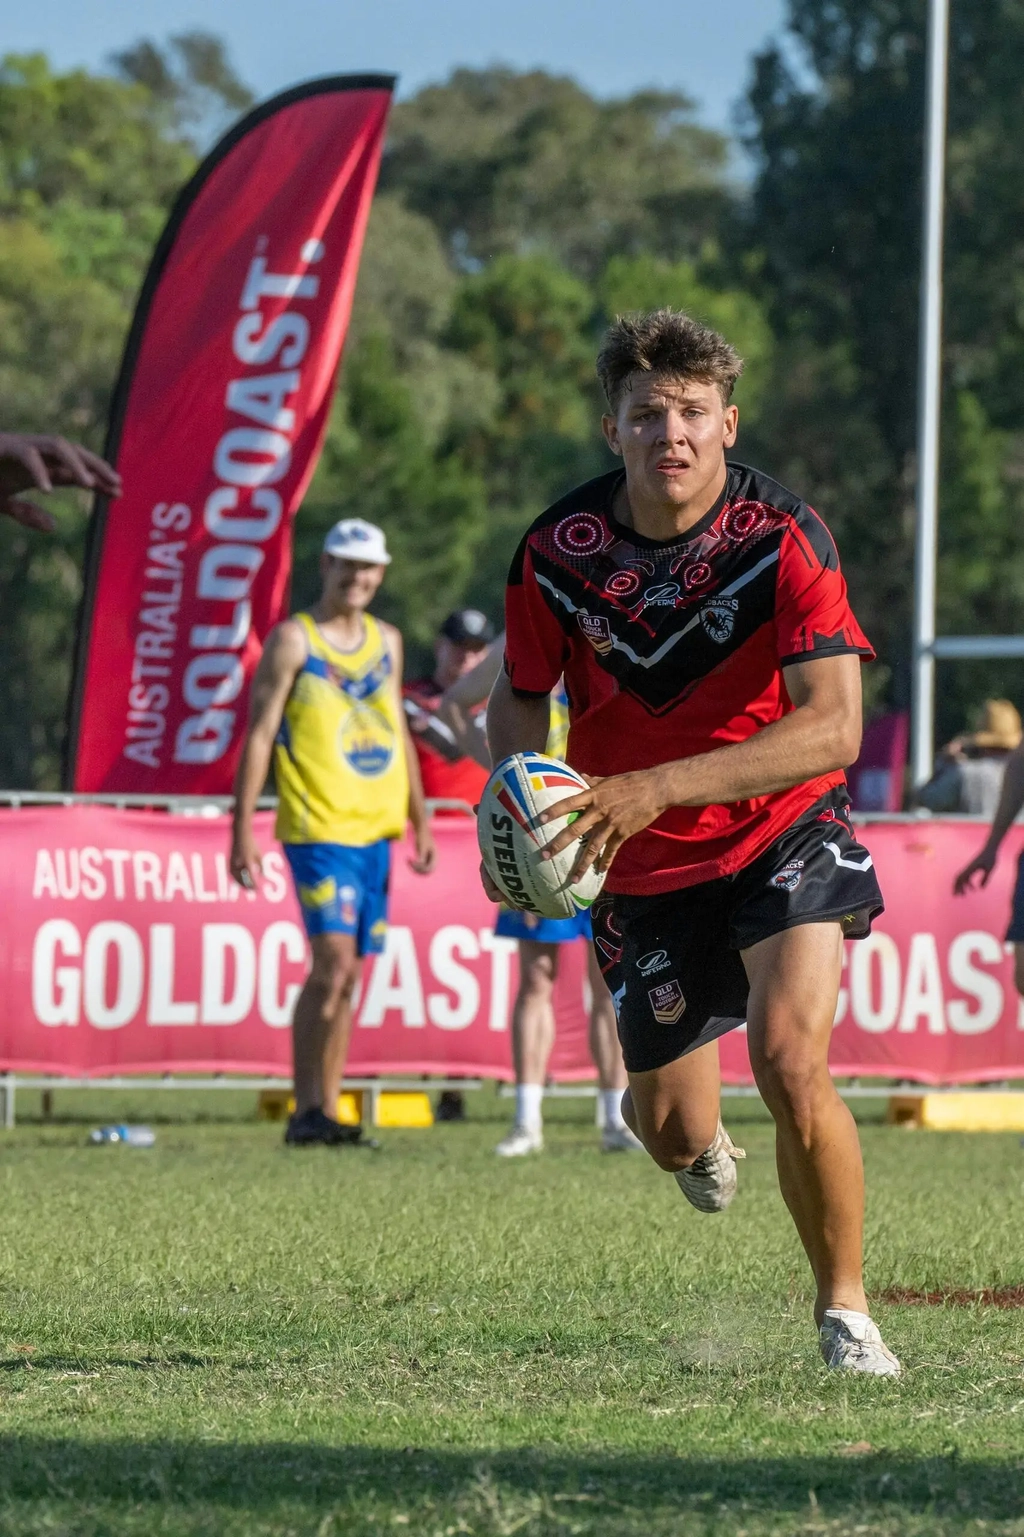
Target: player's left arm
<point x="426" y="849"/>
<point x="820" y="735"/>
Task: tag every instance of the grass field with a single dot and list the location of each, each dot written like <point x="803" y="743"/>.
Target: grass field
<point x="221" y="1337"/>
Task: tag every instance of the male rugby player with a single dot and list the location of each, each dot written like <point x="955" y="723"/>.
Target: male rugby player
<point x="697" y="612"/>
<point x="327" y="704"/>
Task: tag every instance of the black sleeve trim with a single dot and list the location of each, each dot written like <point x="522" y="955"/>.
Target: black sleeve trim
<point x="809" y="656"/>
<point x="530" y="693"/>
<point x="524" y="693"/>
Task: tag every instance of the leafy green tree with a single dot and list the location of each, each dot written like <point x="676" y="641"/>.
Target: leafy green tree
<point x="836" y="217"/>
<point x="88" y="167"/>
<point x="510" y="163"/>
<point x="400" y="448"/>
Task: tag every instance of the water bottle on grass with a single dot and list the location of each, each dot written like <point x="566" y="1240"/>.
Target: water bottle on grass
<point x="129" y="1136"/>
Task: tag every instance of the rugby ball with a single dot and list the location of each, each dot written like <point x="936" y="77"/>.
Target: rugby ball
<point x="512" y="839"/>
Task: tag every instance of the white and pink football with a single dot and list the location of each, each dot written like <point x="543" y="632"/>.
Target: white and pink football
<point x="512" y="839"/>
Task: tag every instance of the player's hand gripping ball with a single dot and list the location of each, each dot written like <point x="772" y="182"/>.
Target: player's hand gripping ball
<point x="512" y="839"/>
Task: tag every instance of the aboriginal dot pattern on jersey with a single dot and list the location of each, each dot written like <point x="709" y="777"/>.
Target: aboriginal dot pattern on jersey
<point x="662" y="616"/>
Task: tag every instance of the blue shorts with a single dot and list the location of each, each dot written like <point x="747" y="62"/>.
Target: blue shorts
<point x="343" y="890"/>
<point x="1015" y="933"/>
<point x="513" y="924"/>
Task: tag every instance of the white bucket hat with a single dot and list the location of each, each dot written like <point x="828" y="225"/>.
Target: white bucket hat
<point x="354" y="539"/>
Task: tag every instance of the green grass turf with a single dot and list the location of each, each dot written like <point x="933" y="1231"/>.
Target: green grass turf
<point x="223" y="1337"/>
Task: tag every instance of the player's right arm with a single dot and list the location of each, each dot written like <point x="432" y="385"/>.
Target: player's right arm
<point x="1011" y="799"/>
<point x="516" y="721"/>
<point x="283" y="657"/>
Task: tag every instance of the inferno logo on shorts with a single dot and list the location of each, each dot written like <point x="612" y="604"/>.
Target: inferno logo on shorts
<point x="597" y="630"/>
<point x="667" y="1001"/>
<point x="719" y="617"/>
<point x="655" y="960"/>
<point x="789" y="877"/>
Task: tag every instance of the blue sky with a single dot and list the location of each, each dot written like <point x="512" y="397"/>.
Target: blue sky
<point x="611" y="46"/>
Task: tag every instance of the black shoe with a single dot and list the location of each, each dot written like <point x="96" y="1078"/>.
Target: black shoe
<point x="313" y="1126"/>
<point x="450" y="1107"/>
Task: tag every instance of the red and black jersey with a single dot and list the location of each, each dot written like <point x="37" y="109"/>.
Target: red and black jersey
<point x="674" y="648"/>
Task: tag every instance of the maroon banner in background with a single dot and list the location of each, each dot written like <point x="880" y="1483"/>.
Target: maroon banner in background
<point x="217" y="424"/>
<point x="126" y="947"/>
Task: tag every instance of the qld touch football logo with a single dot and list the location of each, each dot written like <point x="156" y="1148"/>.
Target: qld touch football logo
<point x="667" y="1001"/>
<point x="718" y="618"/>
<point x="597" y="630"/>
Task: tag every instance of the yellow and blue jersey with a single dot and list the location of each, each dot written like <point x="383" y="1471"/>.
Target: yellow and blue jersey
<point x="558" y="723"/>
<point x="339" y="758"/>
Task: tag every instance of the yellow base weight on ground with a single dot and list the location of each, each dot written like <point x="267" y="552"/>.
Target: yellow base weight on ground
<point x="394" y="1107"/>
<point x="278" y="1104"/>
<point x="409" y="1110"/>
<point x="967" y="1111"/>
<point x="274" y="1104"/>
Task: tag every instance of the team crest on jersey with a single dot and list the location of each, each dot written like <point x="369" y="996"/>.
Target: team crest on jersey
<point x="367" y="741"/>
<point x="597" y="630"/>
<point x="789" y="877"/>
<point x="667" y="1001"/>
<point x="719" y="617"/>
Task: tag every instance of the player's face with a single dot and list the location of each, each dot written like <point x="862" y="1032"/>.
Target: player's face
<point x="671" y="435"/>
<point x="454" y="661"/>
<point x="349" y="584"/>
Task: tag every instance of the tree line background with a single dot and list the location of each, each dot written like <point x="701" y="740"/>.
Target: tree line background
<point x="515" y="215"/>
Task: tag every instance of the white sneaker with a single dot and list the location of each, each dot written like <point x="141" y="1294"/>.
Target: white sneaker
<point x="520" y="1141"/>
<point x="710" y="1181"/>
<point x="619" y="1139"/>
<point x="850" y="1342"/>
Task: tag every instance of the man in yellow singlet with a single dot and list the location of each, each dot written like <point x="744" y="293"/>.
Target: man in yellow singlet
<point x="327" y="704"/>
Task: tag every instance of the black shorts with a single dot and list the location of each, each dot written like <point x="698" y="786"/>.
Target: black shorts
<point x="672" y="962"/>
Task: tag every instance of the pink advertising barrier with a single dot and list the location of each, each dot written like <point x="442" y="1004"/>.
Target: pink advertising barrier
<point x="125" y="947"/>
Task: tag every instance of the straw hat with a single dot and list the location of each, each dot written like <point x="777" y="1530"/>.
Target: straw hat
<point x="1002" y="728"/>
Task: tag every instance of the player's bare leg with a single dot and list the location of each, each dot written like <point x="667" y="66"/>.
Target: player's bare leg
<point x="533" y="1035"/>
<point x="617" y="1136"/>
<point x="794" y="984"/>
<point x="674" y="1109"/>
<point x="323" y="1022"/>
<point x="533" y="1015"/>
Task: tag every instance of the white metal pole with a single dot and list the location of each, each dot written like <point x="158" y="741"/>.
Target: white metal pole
<point x="929" y="392"/>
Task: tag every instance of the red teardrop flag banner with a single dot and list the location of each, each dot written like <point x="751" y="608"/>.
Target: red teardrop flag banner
<point x="216" y="427"/>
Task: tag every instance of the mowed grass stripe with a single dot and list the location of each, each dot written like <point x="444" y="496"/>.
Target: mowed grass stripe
<point x="221" y="1336"/>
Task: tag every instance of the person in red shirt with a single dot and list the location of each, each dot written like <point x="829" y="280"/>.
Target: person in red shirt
<point x="698" y="615"/>
<point x="447" y="771"/>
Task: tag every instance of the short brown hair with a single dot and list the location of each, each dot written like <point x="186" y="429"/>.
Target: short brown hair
<point x="665" y="342"/>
